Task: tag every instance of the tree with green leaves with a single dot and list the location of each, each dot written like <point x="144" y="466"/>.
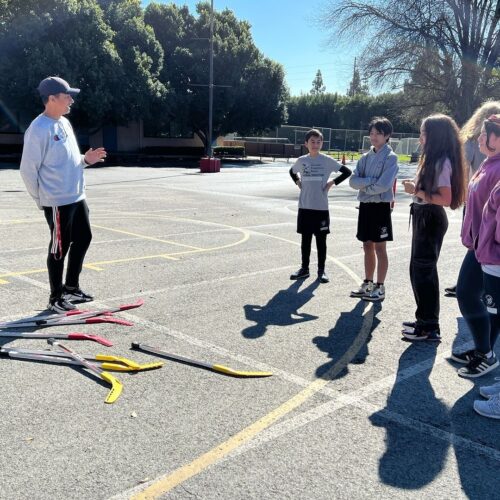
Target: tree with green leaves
<point x="115" y="68"/>
<point x="344" y="112"/>
<point x="249" y="93"/>
<point x="317" y="84"/>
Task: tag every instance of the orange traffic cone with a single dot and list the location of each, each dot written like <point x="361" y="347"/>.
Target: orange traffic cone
<point x="343" y="158"/>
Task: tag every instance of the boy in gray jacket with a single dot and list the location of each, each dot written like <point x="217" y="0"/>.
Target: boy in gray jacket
<point x="374" y="178"/>
<point x="52" y="170"/>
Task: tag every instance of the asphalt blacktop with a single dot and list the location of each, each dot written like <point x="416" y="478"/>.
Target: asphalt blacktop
<point x="351" y="411"/>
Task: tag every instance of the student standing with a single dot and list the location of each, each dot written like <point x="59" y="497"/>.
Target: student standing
<point x="311" y="173"/>
<point x="469" y="134"/>
<point x="439" y="183"/>
<point x="482" y="250"/>
<point x="52" y="170"/>
<point x="374" y="178"/>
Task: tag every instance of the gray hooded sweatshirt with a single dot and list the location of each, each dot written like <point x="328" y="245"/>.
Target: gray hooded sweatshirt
<point x="374" y="175"/>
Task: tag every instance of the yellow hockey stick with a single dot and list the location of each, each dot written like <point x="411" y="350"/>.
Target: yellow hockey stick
<point x="208" y="366"/>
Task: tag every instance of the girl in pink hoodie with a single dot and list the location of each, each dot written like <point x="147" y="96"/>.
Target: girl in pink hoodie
<point x="480" y="235"/>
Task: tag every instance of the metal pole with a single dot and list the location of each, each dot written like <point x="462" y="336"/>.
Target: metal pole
<point x="211" y="81"/>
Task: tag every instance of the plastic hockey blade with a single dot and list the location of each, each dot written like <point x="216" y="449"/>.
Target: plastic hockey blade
<point x="68" y="336"/>
<point x="125" y="364"/>
<point x="61" y="358"/>
<point x="74" y="317"/>
<point x="216" y="368"/>
<point x="116" y="385"/>
<point x="239" y="373"/>
<point x="105" y="319"/>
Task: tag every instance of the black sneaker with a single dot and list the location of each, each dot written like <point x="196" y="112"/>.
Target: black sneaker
<point x="409" y="324"/>
<point x="478" y="366"/>
<point x="451" y="291"/>
<point x="60" y="305"/>
<point x="76" y="295"/>
<point x="463" y="357"/>
<point x="418" y="333"/>
<point x="322" y="276"/>
<point x="300" y="274"/>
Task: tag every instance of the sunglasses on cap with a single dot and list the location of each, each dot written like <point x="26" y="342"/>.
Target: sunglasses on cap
<point x="494" y="119"/>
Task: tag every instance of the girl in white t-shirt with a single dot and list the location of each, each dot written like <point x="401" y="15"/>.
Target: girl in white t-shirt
<point x="439" y="183"/>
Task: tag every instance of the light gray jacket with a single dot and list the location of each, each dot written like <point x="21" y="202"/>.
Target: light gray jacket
<point x="374" y="175"/>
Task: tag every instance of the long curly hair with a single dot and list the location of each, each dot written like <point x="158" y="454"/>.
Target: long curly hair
<point x="472" y="127"/>
<point x="442" y="142"/>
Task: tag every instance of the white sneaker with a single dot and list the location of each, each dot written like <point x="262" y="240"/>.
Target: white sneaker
<point x="365" y="289"/>
<point x="376" y="295"/>
<point x="489" y="391"/>
<point x="60" y="305"/>
<point x="488" y="408"/>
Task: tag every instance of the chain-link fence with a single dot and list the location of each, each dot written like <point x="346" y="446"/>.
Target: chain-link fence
<point x="333" y="139"/>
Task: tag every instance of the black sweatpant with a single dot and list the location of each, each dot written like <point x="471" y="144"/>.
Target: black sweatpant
<point x="429" y="224"/>
<point x="69" y="232"/>
<point x="320" y="247"/>
<point x="471" y="290"/>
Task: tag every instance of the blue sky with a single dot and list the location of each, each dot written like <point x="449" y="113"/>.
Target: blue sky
<point x="285" y="31"/>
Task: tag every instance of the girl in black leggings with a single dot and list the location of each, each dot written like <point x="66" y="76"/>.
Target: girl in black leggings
<point x="439" y="183"/>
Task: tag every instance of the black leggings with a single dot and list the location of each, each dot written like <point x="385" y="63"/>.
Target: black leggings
<point x="69" y="231"/>
<point x="429" y="224"/>
<point x="471" y="287"/>
<point x="320" y="247"/>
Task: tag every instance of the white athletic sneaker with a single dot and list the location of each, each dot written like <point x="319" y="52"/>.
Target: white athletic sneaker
<point x="376" y="295"/>
<point x="488" y="391"/>
<point x="60" y="305"/>
<point x="488" y="408"/>
<point x="365" y="289"/>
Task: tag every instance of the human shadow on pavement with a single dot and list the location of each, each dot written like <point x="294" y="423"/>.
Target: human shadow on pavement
<point x="463" y="337"/>
<point x="477" y="443"/>
<point x="347" y="342"/>
<point x="414" y="457"/>
<point x="280" y="310"/>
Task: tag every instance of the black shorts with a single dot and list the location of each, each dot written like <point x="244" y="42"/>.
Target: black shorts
<point x="374" y="222"/>
<point x="313" y="221"/>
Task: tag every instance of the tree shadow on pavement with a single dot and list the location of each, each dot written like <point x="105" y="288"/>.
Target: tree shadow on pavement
<point x="281" y="310"/>
<point x="347" y="342"/>
<point x="414" y="457"/>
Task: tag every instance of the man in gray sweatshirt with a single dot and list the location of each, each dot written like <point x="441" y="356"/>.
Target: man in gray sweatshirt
<point x="52" y="170"/>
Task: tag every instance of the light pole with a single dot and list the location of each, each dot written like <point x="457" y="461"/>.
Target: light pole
<point x="211" y="81"/>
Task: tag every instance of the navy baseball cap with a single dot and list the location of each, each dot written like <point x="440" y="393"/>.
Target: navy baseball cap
<point x="54" y="85"/>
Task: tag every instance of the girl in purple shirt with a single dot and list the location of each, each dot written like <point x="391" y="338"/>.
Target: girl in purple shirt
<point x="482" y="250"/>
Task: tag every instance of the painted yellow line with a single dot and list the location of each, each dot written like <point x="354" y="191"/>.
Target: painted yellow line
<point x="144" y="237"/>
<point x="170" y="481"/>
<point x="132" y="259"/>
<point x="23" y="273"/>
<point x="183" y="473"/>
<point x="95" y="266"/>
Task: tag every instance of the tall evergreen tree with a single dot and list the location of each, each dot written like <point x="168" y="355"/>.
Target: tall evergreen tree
<point x="317" y="84"/>
<point x="356" y="86"/>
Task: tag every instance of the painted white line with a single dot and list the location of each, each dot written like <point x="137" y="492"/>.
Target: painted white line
<point x="356" y="398"/>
